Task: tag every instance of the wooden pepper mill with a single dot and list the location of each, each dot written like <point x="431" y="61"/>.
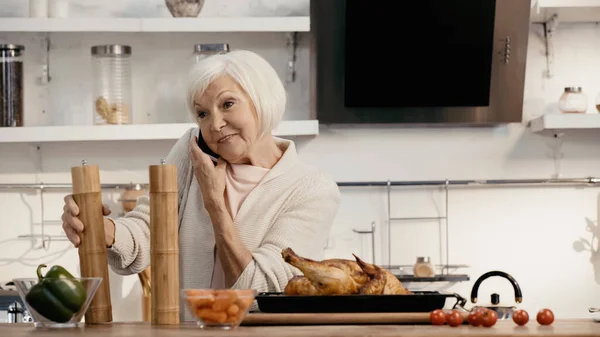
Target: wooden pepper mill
<point x="87" y="193"/>
<point x="164" y="244"/>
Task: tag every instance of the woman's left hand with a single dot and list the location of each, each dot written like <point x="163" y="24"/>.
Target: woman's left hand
<point x="211" y="177"/>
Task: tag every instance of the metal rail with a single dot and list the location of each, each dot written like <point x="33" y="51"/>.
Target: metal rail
<point x="551" y="181"/>
<point x="43" y="186"/>
<point x="589" y="181"/>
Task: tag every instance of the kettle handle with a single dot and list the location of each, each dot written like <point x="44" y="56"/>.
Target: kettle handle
<point x="460" y="302"/>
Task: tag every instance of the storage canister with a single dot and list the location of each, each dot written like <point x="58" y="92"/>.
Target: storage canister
<point x="202" y="51"/>
<point x="112" y="89"/>
<point x="11" y="85"/>
<point x="423" y="267"/>
<point x="573" y="100"/>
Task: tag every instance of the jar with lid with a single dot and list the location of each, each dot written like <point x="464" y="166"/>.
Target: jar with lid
<point x="573" y="100"/>
<point x="597" y="103"/>
<point x="202" y="51"/>
<point x="11" y="85"/>
<point x="130" y="195"/>
<point x="112" y="84"/>
<point x="423" y="267"/>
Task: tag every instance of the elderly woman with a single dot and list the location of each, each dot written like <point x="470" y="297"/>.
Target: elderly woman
<point x="235" y="215"/>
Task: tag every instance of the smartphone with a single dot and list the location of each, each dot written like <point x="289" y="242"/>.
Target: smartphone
<point x="204" y="147"/>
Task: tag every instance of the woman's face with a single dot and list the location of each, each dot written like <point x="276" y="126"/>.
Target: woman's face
<point x="227" y="119"/>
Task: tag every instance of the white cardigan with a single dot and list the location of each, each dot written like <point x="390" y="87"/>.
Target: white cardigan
<point x="293" y="206"/>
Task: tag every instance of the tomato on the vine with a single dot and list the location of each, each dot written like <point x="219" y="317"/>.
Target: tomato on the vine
<point x="521" y="317"/>
<point x="545" y="317"/>
<point x="454" y="318"/>
<point x="437" y="317"/>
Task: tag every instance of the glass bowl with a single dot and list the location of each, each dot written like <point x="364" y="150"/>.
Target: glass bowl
<point x="219" y="308"/>
<point x="53" y="302"/>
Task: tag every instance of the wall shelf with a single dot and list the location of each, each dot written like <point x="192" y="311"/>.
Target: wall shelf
<point x="78" y="133"/>
<point x="201" y="24"/>
<point x="557" y="122"/>
<point x="566" y="10"/>
<point x="568" y="3"/>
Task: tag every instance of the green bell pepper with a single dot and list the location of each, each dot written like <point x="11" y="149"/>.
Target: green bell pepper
<point x="57" y="296"/>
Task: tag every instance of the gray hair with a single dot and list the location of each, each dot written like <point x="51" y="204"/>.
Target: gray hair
<point x="253" y="73"/>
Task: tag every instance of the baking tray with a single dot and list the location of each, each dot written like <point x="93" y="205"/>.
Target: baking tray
<point x="418" y="301"/>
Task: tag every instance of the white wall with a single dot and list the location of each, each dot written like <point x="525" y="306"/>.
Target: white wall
<point x="532" y="233"/>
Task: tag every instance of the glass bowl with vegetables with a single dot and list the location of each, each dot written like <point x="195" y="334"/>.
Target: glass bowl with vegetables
<point x="219" y="308"/>
<point x="57" y="299"/>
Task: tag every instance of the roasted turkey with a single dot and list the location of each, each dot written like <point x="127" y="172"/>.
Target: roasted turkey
<point x="339" y="277"/>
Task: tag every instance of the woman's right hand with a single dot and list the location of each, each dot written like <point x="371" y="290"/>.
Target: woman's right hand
<point x="73" y="226"/>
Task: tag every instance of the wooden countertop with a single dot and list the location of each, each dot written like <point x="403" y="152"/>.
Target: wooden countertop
<point x="560" y="328"/>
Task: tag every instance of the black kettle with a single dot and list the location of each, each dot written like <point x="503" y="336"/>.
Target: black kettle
<point x="504" y="312"/>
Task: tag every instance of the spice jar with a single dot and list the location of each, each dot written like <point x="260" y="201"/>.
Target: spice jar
<point x="112" y="84"/>
<point x="597" y="103"/>
<point x="130" y="195"/>
<point x="11" y="85"/>
<point x="423" y="267"/>
<point x="573" y="100"/>
<point x="202" y="51"/>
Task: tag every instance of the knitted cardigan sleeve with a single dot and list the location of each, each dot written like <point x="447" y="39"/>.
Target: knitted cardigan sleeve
<point x="303" y="226"/>
<point x="130" y="254"/>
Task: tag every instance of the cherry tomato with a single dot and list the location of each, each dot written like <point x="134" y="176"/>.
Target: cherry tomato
<point x="545" y="317"/>
<point x="489" y="318"/>
<point x="482" y="310"/>
<point x="475" y="318"/>
<point x="454" y="318"/>
<point x="521" y="317"/>
<point x="437" y="317"/>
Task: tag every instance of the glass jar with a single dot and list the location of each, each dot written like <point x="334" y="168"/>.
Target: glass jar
<point x="423" y="267"/>
<point x="597" y="102"/>
<point x="573" y="100"/>
<point x="11" y="85"/>
<point x="202" y="51"/>
<point x="112" y="84"/>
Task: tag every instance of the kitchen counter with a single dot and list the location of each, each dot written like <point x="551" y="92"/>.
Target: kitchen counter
<point x="566" y="328"/>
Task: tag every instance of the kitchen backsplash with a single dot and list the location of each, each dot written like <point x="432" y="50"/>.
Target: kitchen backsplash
<point x="533" y="233"/>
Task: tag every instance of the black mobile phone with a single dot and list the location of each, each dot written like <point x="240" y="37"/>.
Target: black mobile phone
<point x="204" y="147"/>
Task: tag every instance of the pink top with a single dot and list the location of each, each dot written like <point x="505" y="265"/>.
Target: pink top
<point x="240" y="180"/>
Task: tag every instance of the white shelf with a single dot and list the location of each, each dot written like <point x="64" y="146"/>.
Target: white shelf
<point x="567" y="10"/>
<point x="78" y="133"/>
<point x="568" y="3"/>
<point x="200" y="24"/>
<point x="557" y="122"/>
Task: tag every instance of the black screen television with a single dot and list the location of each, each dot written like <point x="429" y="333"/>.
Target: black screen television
<point x="418" y="62"/>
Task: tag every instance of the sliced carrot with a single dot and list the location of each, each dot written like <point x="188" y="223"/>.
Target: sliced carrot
<point x="198" y="292"/>
<point x="200" y="302"/>
<point x="233" y="310"/>
<point x="211" y="315"/>
<point x="224" y="300"/>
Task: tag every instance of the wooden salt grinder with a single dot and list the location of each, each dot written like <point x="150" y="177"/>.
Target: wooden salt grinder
<point x="92" y="250"/>
<point x="164" y="244"/>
